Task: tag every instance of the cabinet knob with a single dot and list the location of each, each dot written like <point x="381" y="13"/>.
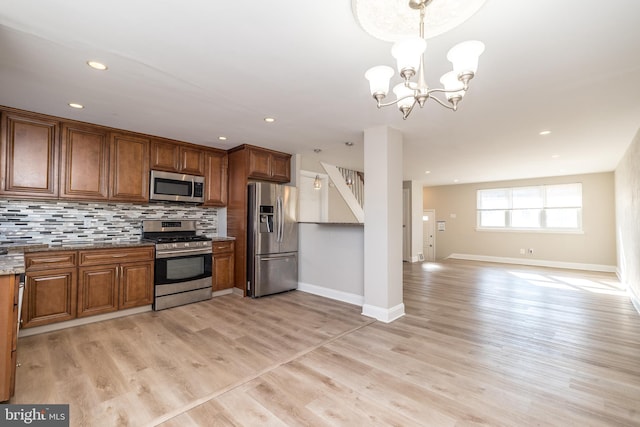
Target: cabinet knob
<point x="18" y="365"/>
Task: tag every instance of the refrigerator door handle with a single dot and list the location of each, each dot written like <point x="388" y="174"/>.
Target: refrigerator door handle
<point x="279" y="219"/>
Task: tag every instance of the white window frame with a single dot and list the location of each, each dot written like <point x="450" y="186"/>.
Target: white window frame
<point x="543" y="209"/>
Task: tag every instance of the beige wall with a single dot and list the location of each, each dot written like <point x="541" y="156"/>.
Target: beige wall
<point x="456" y="204"/>
<point x="627" y="181"/>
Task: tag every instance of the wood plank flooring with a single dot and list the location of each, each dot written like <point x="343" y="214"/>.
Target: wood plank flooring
<point x="481" y="345"/>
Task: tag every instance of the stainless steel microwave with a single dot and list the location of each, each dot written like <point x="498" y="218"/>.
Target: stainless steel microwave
<point x="176" y="187"/>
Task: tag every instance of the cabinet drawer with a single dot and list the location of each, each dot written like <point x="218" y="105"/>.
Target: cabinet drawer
<point x="220" y="247"/>
<point x="111" y="256"/>
<point x="47" y="260"/>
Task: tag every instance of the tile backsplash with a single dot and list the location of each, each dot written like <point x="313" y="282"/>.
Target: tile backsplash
<point x="64" y="222"/>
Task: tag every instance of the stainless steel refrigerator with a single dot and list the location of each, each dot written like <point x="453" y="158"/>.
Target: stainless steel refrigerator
<point x="272" y="243"/>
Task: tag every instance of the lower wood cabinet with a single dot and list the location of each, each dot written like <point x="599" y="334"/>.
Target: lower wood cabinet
<point x="98" y="282"/>
<point x="50" y="296"/>
<point x="50" y="288"/>
<point x="9" y="337"/>
<point x="223" y="265"/>
<point x="97" y="290"/>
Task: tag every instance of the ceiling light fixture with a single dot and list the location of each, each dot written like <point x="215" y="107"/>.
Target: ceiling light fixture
<point x="222" y="138"/>
<point x="97" y="65"/>
<point x="317" y="185"/>
<point x="269" y="119"/>
<point x="544" y="132"/>
<point x="76" y="105"/>
<point x="409" y="54"/>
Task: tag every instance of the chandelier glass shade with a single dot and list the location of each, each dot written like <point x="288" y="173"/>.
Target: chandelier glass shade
<point x="409" y="55"/>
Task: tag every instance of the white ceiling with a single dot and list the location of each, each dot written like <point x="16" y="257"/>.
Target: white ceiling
<point x="193" y="70"/>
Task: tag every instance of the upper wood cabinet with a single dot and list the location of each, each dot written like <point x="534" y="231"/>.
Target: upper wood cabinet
<point x="216" y="173"/>
<point x="129" y="168"/>
<point x="175" y="157"/>
<point x="29" y="155"/>
<point x="269" y="165"/>
<point x="84" y="163"/>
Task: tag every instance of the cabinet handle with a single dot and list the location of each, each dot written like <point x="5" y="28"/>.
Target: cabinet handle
<point x="18" y="365"/>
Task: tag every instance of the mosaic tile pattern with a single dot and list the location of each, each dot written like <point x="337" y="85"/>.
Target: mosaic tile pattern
<point x="63" y="222"/>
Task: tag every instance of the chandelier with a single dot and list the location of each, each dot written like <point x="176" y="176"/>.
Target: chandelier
<point x="409" y="55"/>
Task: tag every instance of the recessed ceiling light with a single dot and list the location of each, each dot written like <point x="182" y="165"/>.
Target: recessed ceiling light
<point x="427" y="172"/>
<point x="456" y="180"/>
<point x="269" y="119"/>
<point x="97" y="65"/>
<point x="555" y="156"/>
<point x="222" y="138"/>
<point x="76" y="105"/>
<point x="545" y="132"/>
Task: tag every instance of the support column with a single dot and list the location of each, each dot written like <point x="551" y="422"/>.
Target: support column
<point x="383" y="224"/>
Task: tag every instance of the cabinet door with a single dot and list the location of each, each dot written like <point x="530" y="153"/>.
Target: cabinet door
<point x="191" y="161"/>
<point x="50" y="296"/>
<point x="216" y="167"/>
<point x="97" y="290"/>
<point x="7" y="332"/>
<point x="84" y="161"/>
<point x="29" y="156"/>
<point x="129" y="168"/>
<point x="223" y="266"/>
<point x="165" y="156"/>
<point x="136" y="284"/>
<point x="259" y="164"/>
<point x="281" y="167"/>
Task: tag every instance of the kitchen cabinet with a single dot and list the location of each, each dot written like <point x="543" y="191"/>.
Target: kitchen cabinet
<point x="50" y="288"/>
<point x="129" y="168"/>
<point x="64" y="285"/>
<point x="268" y="165"/>
<point x="29" y="155"/>
<point x="216" y="172"/>
<point x="114" y="279"/>
<point x="177" y="157"/>
<point x="84" y="163"/>
<point x="249" y="162"/>
<point x="9" y="336"/>
<point x="223" y="265"/>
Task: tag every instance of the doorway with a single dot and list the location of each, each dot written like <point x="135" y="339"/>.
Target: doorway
<point x="429" y="237"/>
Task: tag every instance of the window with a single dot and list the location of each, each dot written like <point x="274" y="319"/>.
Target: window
<point x="543" y="207"/>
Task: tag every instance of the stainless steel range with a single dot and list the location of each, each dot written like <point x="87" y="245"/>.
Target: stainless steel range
<point x="182" y="265"/>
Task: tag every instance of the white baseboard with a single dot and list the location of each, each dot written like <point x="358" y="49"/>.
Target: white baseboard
<point x="536" y="262"/>
<point x="331" y="293"/>
<point x="386" y="315"/>
<point x="82" y="321"/>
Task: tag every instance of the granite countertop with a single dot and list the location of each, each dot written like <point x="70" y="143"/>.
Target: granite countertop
<point x="13" y="261"/>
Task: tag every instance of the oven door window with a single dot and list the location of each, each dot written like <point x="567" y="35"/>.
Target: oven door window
<point x="172" y="187"/>
<point x="182" y="269"/>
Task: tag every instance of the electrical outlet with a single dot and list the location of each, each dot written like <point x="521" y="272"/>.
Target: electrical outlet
<point x="530" y="251"/>
<point x="521" y="251"/>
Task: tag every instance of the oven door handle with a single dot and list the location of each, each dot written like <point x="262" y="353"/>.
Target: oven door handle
<point x="183" y="252"/>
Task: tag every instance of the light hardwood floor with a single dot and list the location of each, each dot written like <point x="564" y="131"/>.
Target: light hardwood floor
<point x="481" y="344"/>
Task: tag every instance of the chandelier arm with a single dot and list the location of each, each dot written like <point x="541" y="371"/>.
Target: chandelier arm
<point x="380" y="105"/>
<point x="406" y="114"/>
<point x="440" y="90"/>
<point x="442" y="103"/>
